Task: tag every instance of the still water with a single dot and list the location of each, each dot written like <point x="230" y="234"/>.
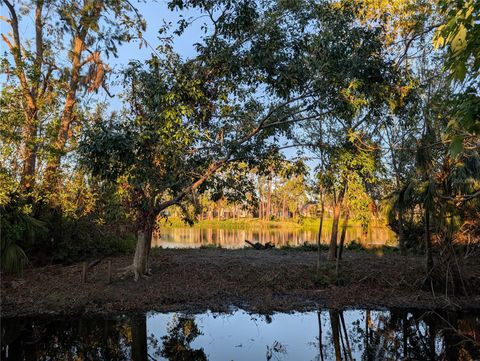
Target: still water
<point x="324" y="335"/>
<point x="193" y="237"/>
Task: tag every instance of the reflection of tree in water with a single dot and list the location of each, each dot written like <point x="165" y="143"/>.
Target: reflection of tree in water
<point x="182" y="330"/>
<point x="276" y="349"/>
<point x="84" y="339"/>
<point x="371" y="335"/>
<point x="399" y="335"/>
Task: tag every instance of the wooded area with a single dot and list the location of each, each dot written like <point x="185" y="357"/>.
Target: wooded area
<point x="379" y="100"/>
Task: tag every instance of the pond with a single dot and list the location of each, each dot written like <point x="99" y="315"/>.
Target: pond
<point x="357" y="334"/>
<point x="194" y="237"/>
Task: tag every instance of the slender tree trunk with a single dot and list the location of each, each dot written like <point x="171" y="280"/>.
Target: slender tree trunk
<point x="428" y="243"/>
<point x="260" y="200"/>
<point x="28" y="151"/>
<point x="332" y="251"/>
<point x="28" y="148"/>
<point x="269" y="199"/>
<point x="319" y="236"/>
<point x="53" y="164"/>
<point x="401" y="235"/>
<point x="343" y="234"/>
<point x="342" y="241"/>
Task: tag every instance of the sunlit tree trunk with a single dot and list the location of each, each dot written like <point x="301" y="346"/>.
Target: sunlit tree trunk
<point x="142" y="249"/>
<point x="29" y="86"/>
<point x="269" y="199"/>
<point x="343" y="234"/>
<point x="342" y="241"/>
<point x="260" y="199"/>
<point x="337" y="203"/>
<point x="320" y="229"/>
<point x="28" y="151"/>
<point x="53" y="164"/>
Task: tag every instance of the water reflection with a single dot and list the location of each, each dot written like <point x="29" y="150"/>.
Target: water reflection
<point x="325" y="335"/>
<point x="193" y="237"/>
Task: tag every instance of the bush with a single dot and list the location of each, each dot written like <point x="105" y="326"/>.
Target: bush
<point x="354" y="246"/>
<point x="305" y="247"/>
<point x="76" y="240"/>
<point x="17" y="230"/>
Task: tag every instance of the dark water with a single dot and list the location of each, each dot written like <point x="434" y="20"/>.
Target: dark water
<point x="325" y="335"/>
<point x="194" y="237"/>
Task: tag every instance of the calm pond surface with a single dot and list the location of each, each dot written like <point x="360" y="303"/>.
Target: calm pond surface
<point x="326" y="335"/>
<point x="194" y="237"/>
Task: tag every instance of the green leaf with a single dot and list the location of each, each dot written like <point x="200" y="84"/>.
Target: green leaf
<point x="456" y="145"/>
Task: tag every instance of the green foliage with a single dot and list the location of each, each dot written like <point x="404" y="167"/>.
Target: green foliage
<point x="13" y="258"/>
<point x="460" y="33"/>
<point x="211" y="246"/>
<point x="81" y="239"/>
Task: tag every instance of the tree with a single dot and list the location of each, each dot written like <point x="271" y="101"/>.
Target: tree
<point x="174" y="138"/>
<point x="48" y="90"/>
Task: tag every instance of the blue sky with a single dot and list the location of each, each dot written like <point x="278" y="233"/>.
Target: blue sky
<point x="156" y="13"/>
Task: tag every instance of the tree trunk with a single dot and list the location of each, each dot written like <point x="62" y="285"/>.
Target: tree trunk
<point x="28" y="149"/>
<point x="260" y="198"/>
<point x="319" y="237"/>
<point x="269" y="200"/>
<point x="428" y="243"/>
<point x="401" y="235"/>
<point x="28" y="152"/>
<point x="332" y="251"/>
<point x="344" y="233"/>
<point x="142" y="250"/>
<point x="53" y="164"/>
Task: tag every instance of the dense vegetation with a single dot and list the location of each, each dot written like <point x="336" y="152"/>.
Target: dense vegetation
<point x="380" y="98"/>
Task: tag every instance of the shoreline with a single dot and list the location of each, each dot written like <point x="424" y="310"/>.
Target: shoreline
<point x="219" y="280"/>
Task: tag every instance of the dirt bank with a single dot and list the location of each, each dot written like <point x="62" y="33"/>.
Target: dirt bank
<point x="216" y="279"/>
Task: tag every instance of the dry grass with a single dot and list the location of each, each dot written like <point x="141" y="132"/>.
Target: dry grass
<point x="216" y="279"/>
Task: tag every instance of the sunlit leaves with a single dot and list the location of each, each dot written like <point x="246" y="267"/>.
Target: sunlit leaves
<point x="460" y="33"/>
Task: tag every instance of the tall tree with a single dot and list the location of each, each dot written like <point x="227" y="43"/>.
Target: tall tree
<point x="49" y="88"/>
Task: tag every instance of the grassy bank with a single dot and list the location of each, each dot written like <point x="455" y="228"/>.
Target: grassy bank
<point x="310" y="224"/>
